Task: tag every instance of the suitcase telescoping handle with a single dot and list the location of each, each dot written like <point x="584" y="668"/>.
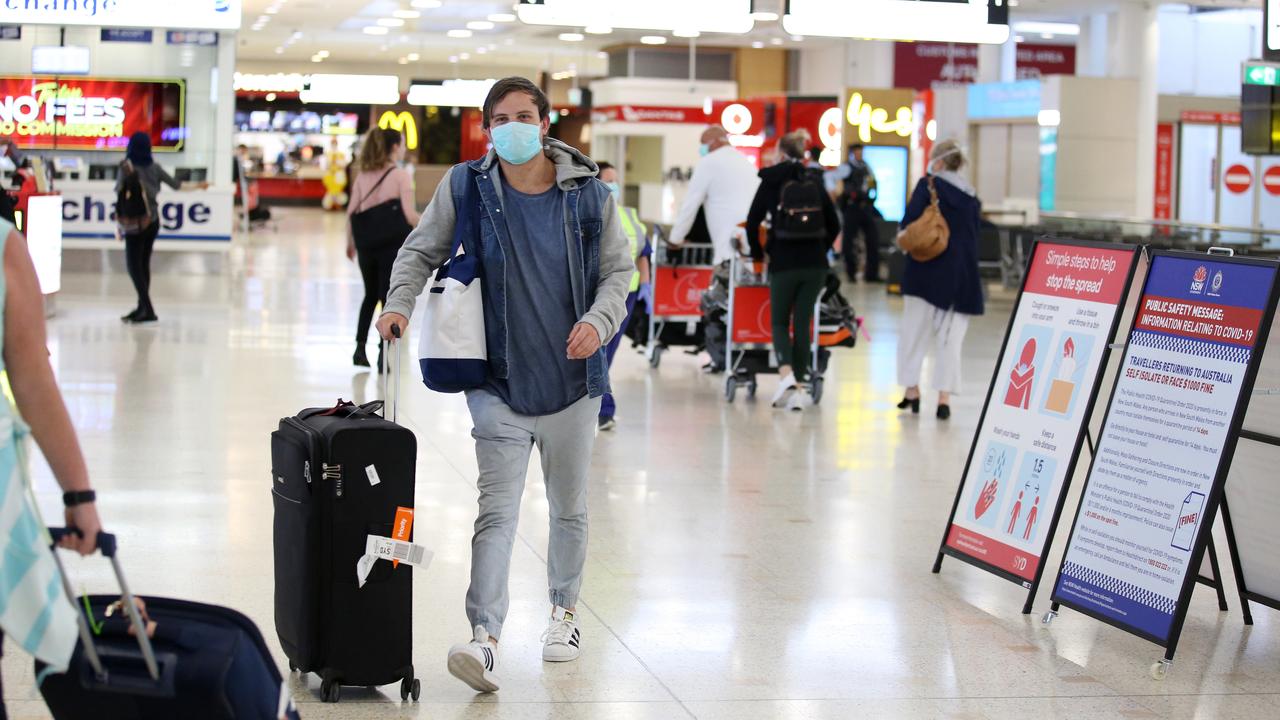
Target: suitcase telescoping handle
<point x="391" y="349"/>
<point x="107" y="546"/>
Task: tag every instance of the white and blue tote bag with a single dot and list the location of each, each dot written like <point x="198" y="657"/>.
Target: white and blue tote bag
<point x="451" y="346"/>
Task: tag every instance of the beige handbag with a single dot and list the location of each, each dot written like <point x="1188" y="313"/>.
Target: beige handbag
<point x="927" y="237"/>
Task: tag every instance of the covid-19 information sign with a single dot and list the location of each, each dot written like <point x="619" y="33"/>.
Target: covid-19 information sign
<point x="1166" y="442"/>
<point x="1043" y="392"/>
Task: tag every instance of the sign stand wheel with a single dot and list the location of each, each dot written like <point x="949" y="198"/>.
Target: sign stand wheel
<point x="1049" y="617"/>
<point x="1160" y="669"/>
<point x="730" y="388"/>
<point x="655" y="356"/>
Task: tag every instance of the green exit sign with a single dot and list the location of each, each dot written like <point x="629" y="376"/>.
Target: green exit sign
<point x="1261" y="74"/>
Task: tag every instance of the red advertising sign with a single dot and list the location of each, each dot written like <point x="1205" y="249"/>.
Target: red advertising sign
<point x="1210" y="118"/>
<point x="649" y="114"/>
<point x="1164" y="171"/>
<point x="921" y="65"/>
<point x="1238" y="179"/>
<point x="751" y="315"/>
<point x="677" y="291"/>
<point x="43" y="112"/>
<point x="1036" y="61"/>
<point x="1271" y="180"/>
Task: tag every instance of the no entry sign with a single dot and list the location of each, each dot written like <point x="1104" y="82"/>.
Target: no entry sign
<point x="1238" y="179"/>
<point x="1271" y="180"/>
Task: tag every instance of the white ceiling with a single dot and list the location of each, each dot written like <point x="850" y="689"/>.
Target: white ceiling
<point x="301" y="28"/>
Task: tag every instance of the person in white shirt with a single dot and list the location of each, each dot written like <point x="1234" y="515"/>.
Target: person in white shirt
<point x="723" y="184"/>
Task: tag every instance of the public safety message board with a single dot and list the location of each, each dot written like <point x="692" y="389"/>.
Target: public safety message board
<point x="1148" y="504"/>
<point x="1044" y="389"/>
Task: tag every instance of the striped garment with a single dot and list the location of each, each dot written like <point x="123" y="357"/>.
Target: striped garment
<point x="34" y="611"/>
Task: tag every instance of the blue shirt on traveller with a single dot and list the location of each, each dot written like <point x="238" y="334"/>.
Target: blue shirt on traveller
<point x="540" y="310"/>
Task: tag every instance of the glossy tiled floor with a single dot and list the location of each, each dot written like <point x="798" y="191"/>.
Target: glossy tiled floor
<point x="744" y="563"/>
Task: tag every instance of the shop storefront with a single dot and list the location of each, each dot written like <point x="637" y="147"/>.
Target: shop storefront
<point x="295" y="152"/>
<point x="76" y="84"/>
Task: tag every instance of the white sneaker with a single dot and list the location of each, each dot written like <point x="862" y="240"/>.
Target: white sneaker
<point x="786" y="387"/>
<point x="560" y="641"/>
<point x="475" y="662"/>
<point x="799" y="400"/>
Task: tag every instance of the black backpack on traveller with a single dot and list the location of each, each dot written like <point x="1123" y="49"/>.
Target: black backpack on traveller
<point x="133" y="210"/>
<point x="799" y="216"/>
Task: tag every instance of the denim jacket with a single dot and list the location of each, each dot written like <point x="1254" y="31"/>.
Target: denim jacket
<point x="600" y="258"/>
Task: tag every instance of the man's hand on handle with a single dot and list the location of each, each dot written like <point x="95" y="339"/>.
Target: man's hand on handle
<point x="391" y="320"/>
<point x="583" y="342"/>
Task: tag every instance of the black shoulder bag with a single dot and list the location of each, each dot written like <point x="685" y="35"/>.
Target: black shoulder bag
<point x="382" y="225"/>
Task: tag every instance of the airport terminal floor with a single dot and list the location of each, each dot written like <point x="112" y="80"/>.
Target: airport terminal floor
<point x="743" y="563"/>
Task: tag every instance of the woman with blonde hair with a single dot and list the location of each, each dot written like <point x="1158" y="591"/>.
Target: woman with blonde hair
<point x="940" y="295"/>
<point x="803" y="224"/>
<point x="381" y="214"/>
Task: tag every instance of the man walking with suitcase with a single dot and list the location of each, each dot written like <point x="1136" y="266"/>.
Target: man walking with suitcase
<point x="555" y="273"/>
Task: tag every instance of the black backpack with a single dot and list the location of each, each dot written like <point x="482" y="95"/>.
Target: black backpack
<point x="133" y="210"/>
<point x="799" y="216"/>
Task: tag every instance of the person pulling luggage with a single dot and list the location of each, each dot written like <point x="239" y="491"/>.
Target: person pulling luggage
<point x="555" y="270"/>
<point x="37" y="616"/>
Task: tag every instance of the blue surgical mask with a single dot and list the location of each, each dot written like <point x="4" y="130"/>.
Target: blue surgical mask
<point x="703" y="149"/>
<point x="615" y="189"/>
<point x="517" y="142"/>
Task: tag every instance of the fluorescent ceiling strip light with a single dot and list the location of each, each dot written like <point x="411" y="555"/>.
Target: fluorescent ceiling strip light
<point x="452" y="93"/>
<point x="895" y="20"/>
<point x="1046" y="28"/>
<point x="355" y="89"/>
<point x="718" y="16"/>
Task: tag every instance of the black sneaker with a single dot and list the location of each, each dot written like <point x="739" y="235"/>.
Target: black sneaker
<point x="606" y="424"/>
<point x="141" y="318"/>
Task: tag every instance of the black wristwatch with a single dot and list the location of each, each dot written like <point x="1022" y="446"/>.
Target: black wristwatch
<point x="78" y="497"/>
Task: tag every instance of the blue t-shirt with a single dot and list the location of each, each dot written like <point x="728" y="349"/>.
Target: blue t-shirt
<point x="540" y="313"/>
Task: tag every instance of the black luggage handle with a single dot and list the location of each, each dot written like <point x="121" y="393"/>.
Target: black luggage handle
<point x="107" y="546"/>
<point x="106" y="542"/>
<point x="391" y="348"/>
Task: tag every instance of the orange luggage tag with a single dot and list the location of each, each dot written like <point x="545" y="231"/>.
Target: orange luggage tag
<point x="403" y="528"/>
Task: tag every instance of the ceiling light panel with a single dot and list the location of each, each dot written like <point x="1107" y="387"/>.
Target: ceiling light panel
<point x="894" y="20"/>
<point x="719" y="16"/>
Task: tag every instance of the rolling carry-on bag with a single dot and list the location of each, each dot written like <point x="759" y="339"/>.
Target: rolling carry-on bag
<point x="338" y="477"/>
<point x="199" y="662"/>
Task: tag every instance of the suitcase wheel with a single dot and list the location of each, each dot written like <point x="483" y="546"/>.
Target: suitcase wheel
<point x="330" y="691"/>
<point x="410" y="687"/>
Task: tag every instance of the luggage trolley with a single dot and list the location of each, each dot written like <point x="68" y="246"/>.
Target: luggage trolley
<point x="749" y="341"/>
<point x="680" y="276"/>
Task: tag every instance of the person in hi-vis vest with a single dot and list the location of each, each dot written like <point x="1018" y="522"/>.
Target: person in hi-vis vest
<point x="637" y="235"/>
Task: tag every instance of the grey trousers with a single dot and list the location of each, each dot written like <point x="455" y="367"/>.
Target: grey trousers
<point x="504" y="440"/>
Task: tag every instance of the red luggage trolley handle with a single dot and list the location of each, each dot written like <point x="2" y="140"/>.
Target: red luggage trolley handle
<point x="107" y="546"/>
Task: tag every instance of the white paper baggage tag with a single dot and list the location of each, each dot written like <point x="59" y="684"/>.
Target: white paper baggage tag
<point x="384" y="548"/>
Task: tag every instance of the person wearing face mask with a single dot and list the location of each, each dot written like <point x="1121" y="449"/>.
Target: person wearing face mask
<point x="636" y="235"/>
<point x="723" y="184"/>
<point x="380" y="181"/>
<point x="555" y="271"/>
<point x="940" y="296"/>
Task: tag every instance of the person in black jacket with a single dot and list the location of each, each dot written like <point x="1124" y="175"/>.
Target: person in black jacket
<point x="803" y="226"/>
<point x="941" y="295"/>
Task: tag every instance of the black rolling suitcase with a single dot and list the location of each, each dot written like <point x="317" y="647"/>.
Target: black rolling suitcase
<point x="204" y="662"/>
<point x="338" y="476"/>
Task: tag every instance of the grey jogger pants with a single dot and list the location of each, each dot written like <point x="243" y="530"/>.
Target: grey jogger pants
<point x="504" y="440"/>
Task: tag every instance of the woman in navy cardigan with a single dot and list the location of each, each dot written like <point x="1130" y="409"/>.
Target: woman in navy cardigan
<point x="941" y="295"/>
